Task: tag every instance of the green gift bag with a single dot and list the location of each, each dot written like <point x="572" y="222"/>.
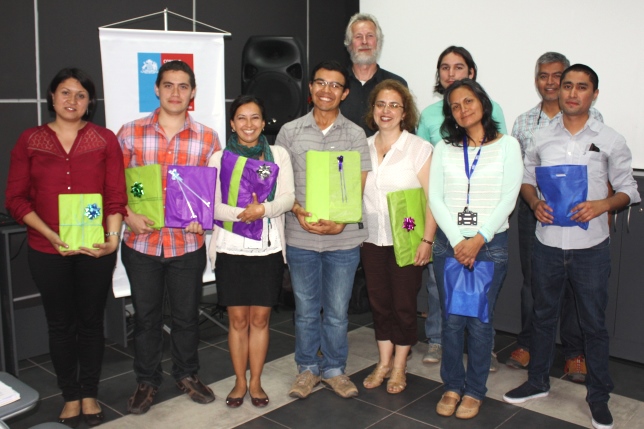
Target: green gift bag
<point x="334" y="186"/>
<point x="145" y="192"/>
<point x="80" y="219"/>
<point x="407" y="211"/>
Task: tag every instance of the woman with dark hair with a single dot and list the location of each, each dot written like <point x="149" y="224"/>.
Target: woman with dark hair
<point x="474" y="183"/>
<point x="250" y="272"/>
<point x="400" y="161"/>
<point x="70" y="156"/>
<point x="454" y="63"/>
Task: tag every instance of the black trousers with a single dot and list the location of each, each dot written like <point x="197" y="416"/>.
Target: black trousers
<point x="74" y="290"/>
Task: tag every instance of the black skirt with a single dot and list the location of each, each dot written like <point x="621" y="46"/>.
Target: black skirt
<point x="249" y="280"/>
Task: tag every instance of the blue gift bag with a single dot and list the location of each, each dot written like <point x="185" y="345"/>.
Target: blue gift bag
<point x="563" y="187"/>
<point x="466" y="290"/>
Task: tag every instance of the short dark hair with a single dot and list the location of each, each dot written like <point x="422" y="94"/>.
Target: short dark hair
<point x="584" y="69"/>
<point x="246" y="99"/>
<point x="410" y="121"/>
<point x="331" y="65"/>
<point x="176" y="65"/>
<point x="82" y="78"/>
<point x="450" y="130"/>
<point x="458" y="50"/>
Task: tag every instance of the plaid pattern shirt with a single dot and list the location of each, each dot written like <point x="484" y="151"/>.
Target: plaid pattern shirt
<point x="534" y="119"/>
<point x="143" y="142"/>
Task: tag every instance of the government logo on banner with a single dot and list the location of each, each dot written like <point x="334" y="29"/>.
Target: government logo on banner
<point x="149" y="64"/>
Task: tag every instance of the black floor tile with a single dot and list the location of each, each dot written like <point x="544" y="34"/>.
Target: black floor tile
<point x="214" y="365"/>
<point x="526" y="419"/>
<point x="324" y="409"/>
<point x="115" y="363"/>
<point x="43" y="381"/>
<point x="261" y="423"/>
<point x="400" y="422"/>
<point x="417" y="387"/>
<point x="491" y="415"/>
<point x="285" y="327"/>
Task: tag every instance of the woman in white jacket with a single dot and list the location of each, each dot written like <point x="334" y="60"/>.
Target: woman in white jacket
<point x="249" y="272"/>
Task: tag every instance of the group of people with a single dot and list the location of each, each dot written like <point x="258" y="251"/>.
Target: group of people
<point x="457" y="151"/>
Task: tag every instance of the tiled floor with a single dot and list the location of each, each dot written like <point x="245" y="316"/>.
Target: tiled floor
<point x="414" y="408"/>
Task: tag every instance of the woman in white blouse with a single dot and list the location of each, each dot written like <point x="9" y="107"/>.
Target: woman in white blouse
<point x="250" y="272"/>
<point x="400" y="161"/>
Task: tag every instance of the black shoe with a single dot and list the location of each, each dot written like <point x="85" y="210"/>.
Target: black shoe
<point x="72" y="422"/>
<point x="602" y="418"/>
<point x="198" y="392"/>
<point x="523" y="393"/>
<point x="94" y="419"/>
<point x="142" y="399"/>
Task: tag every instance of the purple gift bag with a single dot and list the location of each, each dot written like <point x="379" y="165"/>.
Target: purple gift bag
<point x="190" y="196"/>
<point x="239" y="178"/>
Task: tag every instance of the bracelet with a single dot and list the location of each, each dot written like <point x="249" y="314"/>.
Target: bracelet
<point x="109" y="234"/>
<point x="431" y="243"/>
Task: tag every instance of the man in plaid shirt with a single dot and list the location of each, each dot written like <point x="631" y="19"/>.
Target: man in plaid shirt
<point x="166" y="259"/>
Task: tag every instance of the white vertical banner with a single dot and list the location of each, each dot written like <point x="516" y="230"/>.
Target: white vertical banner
<point x="132" y="58"/>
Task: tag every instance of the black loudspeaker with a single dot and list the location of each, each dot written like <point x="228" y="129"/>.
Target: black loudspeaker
<point x="274" y="70"/>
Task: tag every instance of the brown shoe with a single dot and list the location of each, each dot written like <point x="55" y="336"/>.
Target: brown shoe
<point x="520" y="358"/>
<point x="141" y="401"/>
<point x="575" y="369"/>
<point x="469" y="408"/>
<point x="447" y="405"/>
<point x="198" y="392"/>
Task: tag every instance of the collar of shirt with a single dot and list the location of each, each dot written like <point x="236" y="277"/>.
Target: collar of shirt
<point x="153" y="121"/>
<point x="592" y="124"/>
<point x="309" y="121"/>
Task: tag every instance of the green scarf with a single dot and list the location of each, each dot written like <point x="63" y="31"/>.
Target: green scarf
<point x="262" y="147"/>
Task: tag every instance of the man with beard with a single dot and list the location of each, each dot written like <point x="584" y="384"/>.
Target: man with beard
<point x="363" y="39"/>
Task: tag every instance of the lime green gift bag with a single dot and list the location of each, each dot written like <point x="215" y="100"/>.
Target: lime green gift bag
<point x="80" y="220"/>
<point x="145" y="192"/>
<point x="407" y="211"/>
<point x="334" y="186"/>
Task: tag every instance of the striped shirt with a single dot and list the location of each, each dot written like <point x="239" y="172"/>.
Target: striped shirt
<point x="143" y="143"/>
<point x="300" y="136"/>
<point x="534" y="119"/>
<point x="494" y="188"/>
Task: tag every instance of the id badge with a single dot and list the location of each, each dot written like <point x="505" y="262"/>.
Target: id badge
<point x="467" y="217"/>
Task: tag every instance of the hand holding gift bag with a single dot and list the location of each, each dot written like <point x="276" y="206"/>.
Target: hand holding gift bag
<point x="145" y="192"/>
<point x="80" y="220"/>
<point x="563" y="187"/>
<point x="466" y="289"/>
<point x="239" y="178"/>
<point x="407" y="211"/>
<point x="190" y="194"/>
<point x="334" y="186"/>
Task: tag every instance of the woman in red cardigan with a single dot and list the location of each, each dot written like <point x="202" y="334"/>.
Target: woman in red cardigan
<point x="70" y="156"/>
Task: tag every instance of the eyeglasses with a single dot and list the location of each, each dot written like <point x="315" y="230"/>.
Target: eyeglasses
<point x="323" y="84"/>
<point x="392" y="105"/>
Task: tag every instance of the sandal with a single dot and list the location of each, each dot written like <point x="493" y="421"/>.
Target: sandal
<point x="398" y="381"/>
<point x="376" y="377"/>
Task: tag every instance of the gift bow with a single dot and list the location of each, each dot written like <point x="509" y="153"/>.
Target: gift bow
<point x="264" y="171"/>
<point x="409" y="224"/>
<point x="137" y="189"/>
<point x="92" y="211"/>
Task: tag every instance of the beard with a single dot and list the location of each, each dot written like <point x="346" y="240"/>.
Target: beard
<point x="364" y="58"/>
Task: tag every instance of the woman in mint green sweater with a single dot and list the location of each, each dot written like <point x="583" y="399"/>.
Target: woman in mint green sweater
<point x="475" y="179"/>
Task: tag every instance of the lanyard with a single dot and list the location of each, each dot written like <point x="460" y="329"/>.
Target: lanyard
<point x="470" y="170"/>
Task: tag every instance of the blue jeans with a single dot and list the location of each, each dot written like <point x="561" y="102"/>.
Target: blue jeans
<point x="588" y="271"/>
<point x="433" y="322"/>
<point x="569" y="330"/>
<point x="150" y="277"/>
<point x="480" y="337"/>
<point x="322" y="281"/>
